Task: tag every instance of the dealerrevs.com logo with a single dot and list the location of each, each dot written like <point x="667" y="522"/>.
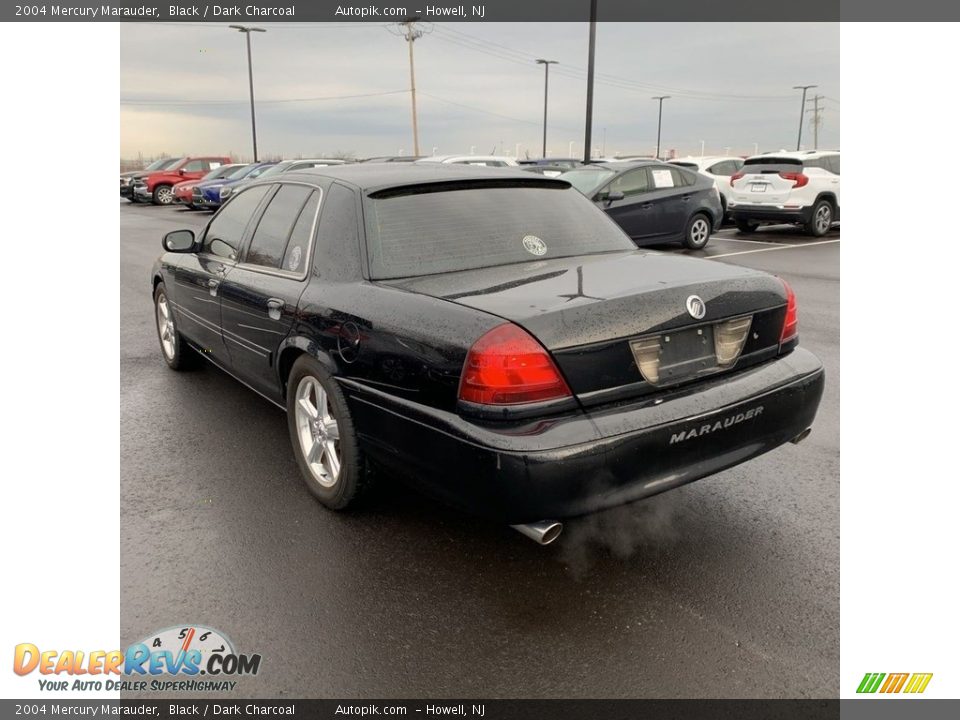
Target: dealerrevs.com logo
<point x="187" y="658"/>
<point x="911" y="683"/>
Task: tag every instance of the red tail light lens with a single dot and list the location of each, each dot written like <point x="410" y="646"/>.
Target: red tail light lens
<point x="789" y="331"/>
<point x="798" y="178"/>
<point x="736" y="176"/>
<point x="506" y="366"/>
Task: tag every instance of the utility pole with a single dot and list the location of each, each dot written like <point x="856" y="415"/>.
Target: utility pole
<point x="817" y="119"/>
<point x="546" y="88"/>
<point x="410" y="34"/>
<point x="253" y="115"/>
<point x="591" y="53"/>
<point x="803" y="106"/>
<point x="661" y="98"/>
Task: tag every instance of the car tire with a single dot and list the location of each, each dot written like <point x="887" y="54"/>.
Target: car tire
<point x="162" y="195"/>
<point x="175" y="350"/>
<point x="323" y="436"/>
<point x="697" y="234"/>
<point x="821" y="219"/>
<point x="745" y="226"/>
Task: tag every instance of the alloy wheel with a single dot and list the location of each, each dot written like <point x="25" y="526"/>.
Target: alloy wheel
<point x="317" y="431"/>
<point x="168" y="333"/>
<point x="699" y="232"/>
<point x="823" y="219"/>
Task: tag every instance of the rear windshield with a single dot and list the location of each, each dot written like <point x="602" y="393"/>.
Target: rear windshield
<point x="692" y="166"/>
<point x="772" y="165"/>
<point x="443" y="229"/>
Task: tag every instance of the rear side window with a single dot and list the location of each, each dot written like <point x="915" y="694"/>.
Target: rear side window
<point x="444" y="228"/>
<point x="337" y="232"/>
<point x="295" y="255"/>
<point x="225" y="231"/>
<point x="269" y="240"/>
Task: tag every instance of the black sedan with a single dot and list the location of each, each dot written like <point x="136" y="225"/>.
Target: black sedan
<point x="652" y="201"/>
<point x="488" y="334"/>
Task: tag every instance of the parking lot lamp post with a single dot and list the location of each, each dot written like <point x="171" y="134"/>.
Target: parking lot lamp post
<point x="591" y="56"/>
<point x="803" y="104"/>
<point x="546" y="85"/>
<point x="410" y="35"/>
<point x="660" y="98"/>
<point x="253" y="116"/>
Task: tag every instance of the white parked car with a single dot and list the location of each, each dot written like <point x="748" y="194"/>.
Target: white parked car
<point x="787" y="187"/>
<point x="482" y="160"/>
<point x="718" y="167"/>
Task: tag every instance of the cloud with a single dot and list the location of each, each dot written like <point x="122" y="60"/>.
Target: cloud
<point x="730" y="86"/>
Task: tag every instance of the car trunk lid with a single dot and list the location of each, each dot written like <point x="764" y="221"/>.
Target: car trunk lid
<point x="599" y="314"/>
<point x="763" y="181"/>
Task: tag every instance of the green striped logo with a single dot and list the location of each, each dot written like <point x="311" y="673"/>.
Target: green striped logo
<point x="912" y="683"/>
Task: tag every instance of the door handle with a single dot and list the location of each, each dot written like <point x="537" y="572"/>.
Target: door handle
<point x="274" y="308"/>
<point x="686" y="198"/>
<point x="212" y="285"/>
<point x="646" y="206"/>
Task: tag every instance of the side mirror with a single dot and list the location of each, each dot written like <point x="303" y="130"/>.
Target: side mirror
<point x="182" y="171"/>
<point x="179" y="241"/>
<point x="613" y="196"/>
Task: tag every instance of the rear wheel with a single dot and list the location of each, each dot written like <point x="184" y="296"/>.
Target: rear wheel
<point x="821" y="220"/>
<point x="698" y="232"/>
<point x="745" y="226"/>
<point x="162" y="195"/>
<point x="323" y="437"/>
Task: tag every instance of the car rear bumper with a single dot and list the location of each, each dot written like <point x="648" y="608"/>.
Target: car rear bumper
<point x="584" y="462"/>
<point x="769" y="213"/>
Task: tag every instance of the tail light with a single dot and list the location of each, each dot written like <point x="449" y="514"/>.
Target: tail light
<point x="507" y="366"/>
<point x="798" y="178"/>
<point x="736" y="176"/>
<point x="789" y="331"/>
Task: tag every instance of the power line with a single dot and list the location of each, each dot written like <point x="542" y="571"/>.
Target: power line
<point x="488" y="112"/>
<point x="190" y="103"/>
<point x="502" y="52"/>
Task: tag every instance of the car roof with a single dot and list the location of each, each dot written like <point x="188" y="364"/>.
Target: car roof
<point x="450" y="158"/>
<point x="371" y="177"/>
<point x="797" y="154"/>
<point x="705" y="160"/>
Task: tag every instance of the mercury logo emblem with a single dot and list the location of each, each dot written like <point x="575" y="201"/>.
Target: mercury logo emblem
<point x="534" y="245"/>
<point x="696" y="307"/>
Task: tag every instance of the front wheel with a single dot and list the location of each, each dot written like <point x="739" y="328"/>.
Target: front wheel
<point x="821" y="220"/>
<point x="177" y="353"/>
<point x="698" y="232"/>
<point x="323" y="437"/>
<point x="162" y="195"/>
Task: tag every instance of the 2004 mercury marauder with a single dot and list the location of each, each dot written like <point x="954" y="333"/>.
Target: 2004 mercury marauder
<point x="489" y="334"/>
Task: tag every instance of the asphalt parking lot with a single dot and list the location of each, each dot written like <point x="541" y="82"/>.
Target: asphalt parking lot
<point x="728" y="587"/>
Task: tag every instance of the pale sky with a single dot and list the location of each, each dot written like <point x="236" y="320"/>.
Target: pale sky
<point x="184" y="88"/>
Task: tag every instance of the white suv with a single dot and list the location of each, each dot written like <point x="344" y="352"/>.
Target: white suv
<point x="718" y="167"/>
<point x="483" y="160"/>
<point x="787" y="187"/>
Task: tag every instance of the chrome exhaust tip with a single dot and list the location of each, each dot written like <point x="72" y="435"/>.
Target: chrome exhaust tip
<point x="801" y="437"/>
<point x="543" y="532"/>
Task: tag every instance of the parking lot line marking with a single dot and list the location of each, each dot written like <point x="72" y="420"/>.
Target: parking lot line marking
<point x="771" y="249"/>
<point x="755" y="242"/>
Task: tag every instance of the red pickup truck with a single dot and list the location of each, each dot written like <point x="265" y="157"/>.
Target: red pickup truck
<point x="157" y="187"/>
